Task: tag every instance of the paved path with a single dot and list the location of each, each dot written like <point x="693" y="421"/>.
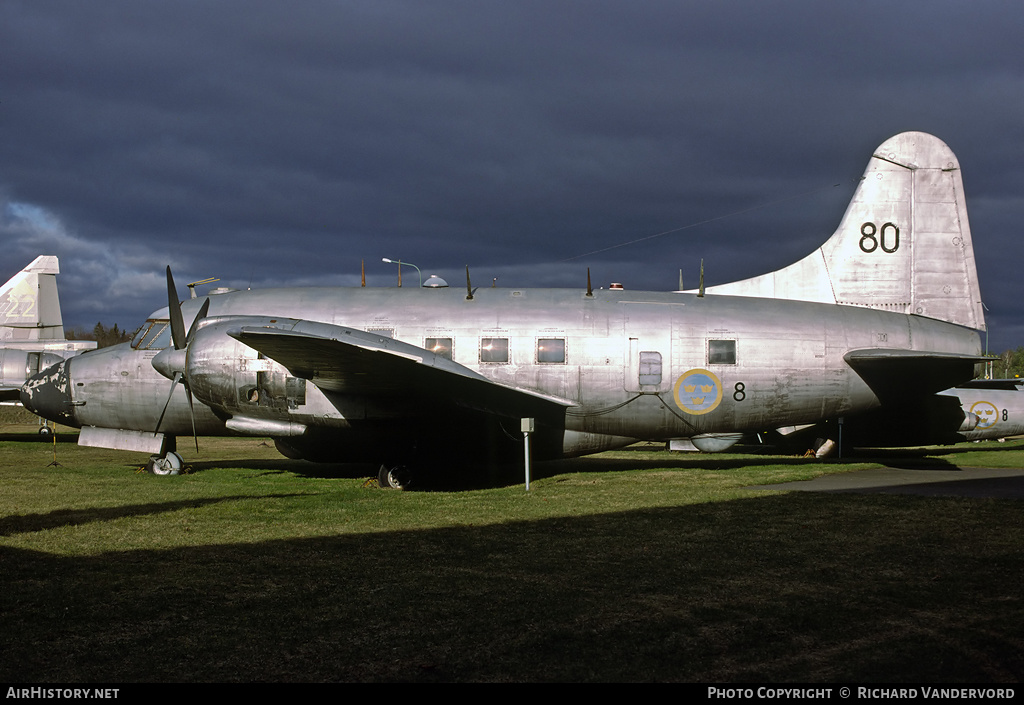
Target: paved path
<point x="1006" y="483"/>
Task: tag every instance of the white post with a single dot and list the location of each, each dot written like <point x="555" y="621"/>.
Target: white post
<point x="527" y="427"/>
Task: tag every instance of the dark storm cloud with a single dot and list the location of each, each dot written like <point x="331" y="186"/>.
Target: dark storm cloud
<point x="271" y="143"/>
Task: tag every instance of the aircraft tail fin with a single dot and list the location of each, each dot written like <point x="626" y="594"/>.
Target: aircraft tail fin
<point x="904" y="243"/>
<point x="29" y="307"/>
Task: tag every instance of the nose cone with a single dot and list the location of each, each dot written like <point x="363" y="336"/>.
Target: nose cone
<point x="48" y="394"/>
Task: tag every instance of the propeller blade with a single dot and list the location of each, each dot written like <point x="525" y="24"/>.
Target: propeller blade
<point x="192" y="413"/>
<point x="203" y="310"/>
<point x="174" y="382"/>
<point x="174" y="309"/>
<point x="181" y="340"/>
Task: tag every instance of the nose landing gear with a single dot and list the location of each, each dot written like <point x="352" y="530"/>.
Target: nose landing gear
<point x="167" y="464"/>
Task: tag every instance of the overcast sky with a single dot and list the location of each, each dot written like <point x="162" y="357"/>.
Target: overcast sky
<point x="269" y="143"/>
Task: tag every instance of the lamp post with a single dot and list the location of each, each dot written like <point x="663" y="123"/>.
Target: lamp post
<point x="400" y="263"/>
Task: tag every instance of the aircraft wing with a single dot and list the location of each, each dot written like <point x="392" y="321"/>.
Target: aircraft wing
<point x="1012" y="384"/>
<point x="893" y="373"/>
<point x="346" y="360"/>
<point x="10" y="393"/>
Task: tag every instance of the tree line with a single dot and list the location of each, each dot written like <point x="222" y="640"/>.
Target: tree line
<point x="1009" y="364"/>
<point x="101" y="334"/>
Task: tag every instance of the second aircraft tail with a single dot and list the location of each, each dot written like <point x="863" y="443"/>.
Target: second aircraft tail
<point x="29" y="307"/>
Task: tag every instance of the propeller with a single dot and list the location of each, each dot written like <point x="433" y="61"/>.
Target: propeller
<point x="173" y="362"/>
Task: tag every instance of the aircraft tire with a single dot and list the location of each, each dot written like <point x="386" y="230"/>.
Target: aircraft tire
<point x="396" y="477"/>
<point x="169" y="464"/>
<point x="45" y="431"/>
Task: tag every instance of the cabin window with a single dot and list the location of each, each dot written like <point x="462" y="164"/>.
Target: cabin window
<point x="494" y="350"/>
<point x="551" y="350"/>
<point x="140" y="334"/>
<point x="440" y="346"/>
<point x="650" y="367"/>
<point x="721" y="352"/>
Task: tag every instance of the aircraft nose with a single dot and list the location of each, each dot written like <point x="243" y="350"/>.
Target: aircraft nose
<point x="48" y="394"/>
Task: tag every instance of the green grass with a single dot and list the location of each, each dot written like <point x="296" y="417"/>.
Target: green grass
<point x="636" y="565"/>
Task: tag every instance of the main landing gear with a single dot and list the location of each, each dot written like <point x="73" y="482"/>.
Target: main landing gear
<point x="397" y="477"/>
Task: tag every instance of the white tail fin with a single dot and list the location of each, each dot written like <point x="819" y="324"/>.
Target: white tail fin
<point x="903" y="245"/>
<point x="29" y="307"/>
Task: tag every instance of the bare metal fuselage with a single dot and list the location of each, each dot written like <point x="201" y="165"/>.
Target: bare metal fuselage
<point x="636" y="365"/>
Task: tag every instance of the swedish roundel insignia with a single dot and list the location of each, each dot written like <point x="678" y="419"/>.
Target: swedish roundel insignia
<point x="698" y="392"/>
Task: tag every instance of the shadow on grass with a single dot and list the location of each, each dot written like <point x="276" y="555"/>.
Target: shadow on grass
<point x="463" y="477"/>
<point x="64" y="518"/>
<point x="791" y="588"/>
<point x="989" y="446"/>
<point x="284" y="465"/>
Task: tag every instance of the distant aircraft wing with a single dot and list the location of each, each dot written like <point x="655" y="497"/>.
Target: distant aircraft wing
<point x="343" y="360"/>
<point x="897" y="374"/>
<point x="10" y="393"/>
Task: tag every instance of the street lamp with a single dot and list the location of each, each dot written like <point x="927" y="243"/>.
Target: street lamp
<point x="400" y="263"/>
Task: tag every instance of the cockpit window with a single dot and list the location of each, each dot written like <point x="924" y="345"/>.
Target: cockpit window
<point x="154" y="335"/>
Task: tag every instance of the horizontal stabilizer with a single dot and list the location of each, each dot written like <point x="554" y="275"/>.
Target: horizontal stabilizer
<point x="895" y="374"/>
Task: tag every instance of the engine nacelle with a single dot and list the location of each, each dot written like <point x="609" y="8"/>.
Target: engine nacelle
<point x="235" y="380"/>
